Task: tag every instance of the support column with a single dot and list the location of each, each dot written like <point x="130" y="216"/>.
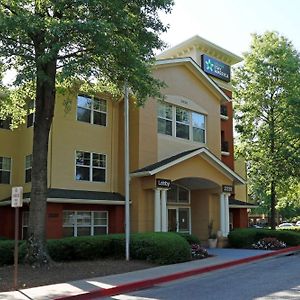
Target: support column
<point x="164" y="218"/>
<point x="226" y="200"/>
<point x="224" y="214"/>
<point x="157" y="211"/>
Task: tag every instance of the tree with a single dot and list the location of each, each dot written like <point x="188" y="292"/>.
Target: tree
<point x="267" y="94"/>
<point x="48" y="41"/>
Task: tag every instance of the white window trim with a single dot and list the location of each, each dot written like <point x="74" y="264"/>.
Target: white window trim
<point x="190" y="124"/>
<point x="177" y="208"/>
<point x="10" y="171"/>
<point x="91" y="167"/>
<point x="27" y="169"/>
<point x="92" y="110"/>
<point x="92" y="226"/>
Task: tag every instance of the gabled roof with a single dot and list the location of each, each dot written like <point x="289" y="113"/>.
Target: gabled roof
<point x="180" y="157"/>
<point x="190" y="63"/>
<point x="204" y="46"/>
<point x="234" y="203"/>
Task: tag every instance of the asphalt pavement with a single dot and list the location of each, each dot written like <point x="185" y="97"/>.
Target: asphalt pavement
<point x="106" y="286"/>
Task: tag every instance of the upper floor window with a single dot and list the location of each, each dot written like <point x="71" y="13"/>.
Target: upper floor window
<point x="5" y="170"/>
<point x="28" y="166"/>
<point x="5" y="124"/>
<point x="182" y="123"/>
<point x="30" y="114"/>
<point x="91" y="110"/>
<point x="90" y="166"/>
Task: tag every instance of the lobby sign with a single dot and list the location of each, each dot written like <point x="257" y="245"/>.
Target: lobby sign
<point x="215" y="68"/>
<point x="227" y="188"/>
<point x="163" y="183"/>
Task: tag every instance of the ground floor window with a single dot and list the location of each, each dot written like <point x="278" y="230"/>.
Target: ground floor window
<point x="25" y="222"/>
<point x="83" y="223"/>
<point x="179" y="219"/>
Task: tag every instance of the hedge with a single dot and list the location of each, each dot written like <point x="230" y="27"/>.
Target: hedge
<point x="190" y="238"/>
<point x="159" y="247"/>
<point x="244" y="238"/>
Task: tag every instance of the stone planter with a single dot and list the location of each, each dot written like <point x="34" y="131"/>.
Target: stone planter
<point x="212" y="243"/>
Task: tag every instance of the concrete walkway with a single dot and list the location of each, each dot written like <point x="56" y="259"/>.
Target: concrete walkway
<point x="120" y="283"/>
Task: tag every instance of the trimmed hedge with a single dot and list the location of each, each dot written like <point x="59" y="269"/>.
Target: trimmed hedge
<point x="190" y="238"/>
<point x="159" y="247"/>
<point x="244" y="238"/>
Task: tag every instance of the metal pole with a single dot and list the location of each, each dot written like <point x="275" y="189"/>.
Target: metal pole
<point x="126" y="161"/>
<point x="16" y="248"/>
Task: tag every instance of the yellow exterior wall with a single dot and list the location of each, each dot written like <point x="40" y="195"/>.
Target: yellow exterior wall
<point x="240" y="190"/>
<point x="181" y="82"/>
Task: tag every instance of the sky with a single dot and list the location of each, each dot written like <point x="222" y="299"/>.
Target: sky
<point x="229" y="23"/>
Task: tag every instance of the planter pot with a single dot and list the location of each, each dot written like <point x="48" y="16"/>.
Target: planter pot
<point x="212" y="243"/>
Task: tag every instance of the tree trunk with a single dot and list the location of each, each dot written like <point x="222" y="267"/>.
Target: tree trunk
<point x="273" y="204"/>
<point x="45" y="101"/>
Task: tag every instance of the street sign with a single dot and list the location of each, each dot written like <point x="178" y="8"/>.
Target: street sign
<point x="17" y="196"/>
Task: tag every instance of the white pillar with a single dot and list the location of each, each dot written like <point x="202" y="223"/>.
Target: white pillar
<point x="226" y="200"/>
<point x="157" y="211"/>
<point x="222" y="214"/>
<point x="164" y="219"/>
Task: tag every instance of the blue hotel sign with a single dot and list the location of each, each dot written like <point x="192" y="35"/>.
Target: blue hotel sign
<point x="215" y="68"/>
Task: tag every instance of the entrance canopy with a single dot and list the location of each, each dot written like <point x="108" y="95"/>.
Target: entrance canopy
<point x="195" y="163"/>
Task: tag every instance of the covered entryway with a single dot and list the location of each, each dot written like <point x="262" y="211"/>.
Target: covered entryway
<point x="193" y="199"/>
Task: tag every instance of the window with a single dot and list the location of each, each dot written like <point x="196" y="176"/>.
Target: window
<point x="5" y="170"/>
<point x="25" y="222"/>
<point x="5" y="124"/>
<point x="28" y="166"/>
<point x="91" y="111"/>
<point x="165" y="119"/>
<point x="30" y="114"/>
<point x="181" y="123"/>
<point x="82" y="223"/>
<point x="177" y="194"/>
<point x="90" y="166"/>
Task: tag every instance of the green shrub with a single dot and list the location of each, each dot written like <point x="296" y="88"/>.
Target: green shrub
<point x="190" y="238"/>
<point x="158" y="247"/>
<point x="244" y="238"/>
<point x="6" y="252"/>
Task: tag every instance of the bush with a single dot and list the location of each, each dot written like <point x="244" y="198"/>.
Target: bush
<point x="244" y="238"/>
<point x="6" y="252"/>
<point x="190" y="238"/>
<point x="158" y="247"/>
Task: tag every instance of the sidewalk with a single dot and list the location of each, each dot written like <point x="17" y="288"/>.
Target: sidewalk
<point x="122" y="283"/>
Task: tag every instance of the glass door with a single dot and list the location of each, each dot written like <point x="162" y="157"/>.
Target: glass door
<point x="179" y="219"/>
<point x="172" y="220"/>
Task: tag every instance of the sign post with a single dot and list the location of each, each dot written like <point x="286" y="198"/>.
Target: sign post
<point x="16" y="202"/>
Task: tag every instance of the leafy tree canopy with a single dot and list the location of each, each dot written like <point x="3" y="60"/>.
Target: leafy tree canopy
<point x="267" y="94"/>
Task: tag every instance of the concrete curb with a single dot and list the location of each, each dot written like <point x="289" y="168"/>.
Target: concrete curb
<point x="147" y="283"/>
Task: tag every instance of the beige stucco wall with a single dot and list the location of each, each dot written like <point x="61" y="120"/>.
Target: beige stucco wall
<point x="69" y="135"/>
<point x="181" y="82"/>
<point x="240" y="190"/>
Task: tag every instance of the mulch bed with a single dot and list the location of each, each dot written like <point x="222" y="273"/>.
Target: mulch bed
<point x="66" y="271"/>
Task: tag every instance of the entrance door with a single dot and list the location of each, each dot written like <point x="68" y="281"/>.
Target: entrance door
<point x="172" y="220"/>
<point x="179" y="219"/>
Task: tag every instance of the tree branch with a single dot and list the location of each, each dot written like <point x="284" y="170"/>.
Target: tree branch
<point x="9" y="8"/>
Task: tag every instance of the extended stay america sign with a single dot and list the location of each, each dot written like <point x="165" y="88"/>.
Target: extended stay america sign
<point x="215" y="68"/>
